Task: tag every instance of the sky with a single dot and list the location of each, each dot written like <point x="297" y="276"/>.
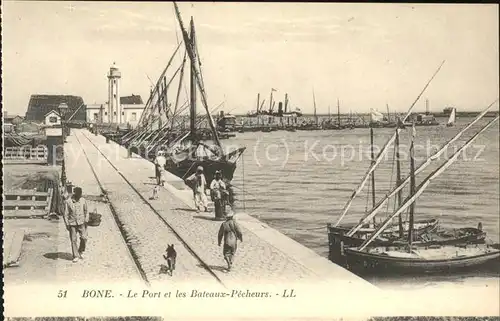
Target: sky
<point x="366" y="55"/>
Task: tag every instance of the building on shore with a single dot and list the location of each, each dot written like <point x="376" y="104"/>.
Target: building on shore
<point x="125" y="110"/>
<point x="40" y="105"/>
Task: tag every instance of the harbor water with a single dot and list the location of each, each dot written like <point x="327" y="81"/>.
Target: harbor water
<point x="297" y="182"/>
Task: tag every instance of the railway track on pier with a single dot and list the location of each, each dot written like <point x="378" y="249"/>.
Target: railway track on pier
<point x="142" y="227"/>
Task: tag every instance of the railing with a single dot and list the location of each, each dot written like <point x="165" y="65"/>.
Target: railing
<point x="26" y="203"/>
<point x="26" y="152"/>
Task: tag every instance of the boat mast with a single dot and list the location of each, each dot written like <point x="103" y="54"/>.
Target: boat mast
<point x="412" y="188"/>
<point x="338" y="115"/>
<point x="388" y="114"/>
<point x="398" y="182"/>
<point x="199" y="82"/>
<point x="373" y="173"/>
<point x="271" y="101"/>
<point x="192" y="84"/>
<point x="423" y="185"/>
<point x="422" y="166"/>
<point x="258" y="102"/>
<point x="315" y="116"/>
<point x="383" y="151"/>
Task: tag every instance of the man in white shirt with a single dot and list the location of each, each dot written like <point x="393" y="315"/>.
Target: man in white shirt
<point x="198" y="182"/>
<point x="160" y="162"/>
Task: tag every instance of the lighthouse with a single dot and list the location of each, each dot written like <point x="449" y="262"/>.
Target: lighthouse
<point x="114" y="107"/>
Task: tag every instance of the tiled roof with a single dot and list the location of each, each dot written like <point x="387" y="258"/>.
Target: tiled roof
<point x="131" y="100"/>
<point x="40" y="105"/>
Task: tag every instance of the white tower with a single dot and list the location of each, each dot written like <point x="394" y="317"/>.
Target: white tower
<point x="114" y="107"/>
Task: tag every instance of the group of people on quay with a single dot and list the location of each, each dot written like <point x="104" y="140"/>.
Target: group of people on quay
<point x="220" y="194"/>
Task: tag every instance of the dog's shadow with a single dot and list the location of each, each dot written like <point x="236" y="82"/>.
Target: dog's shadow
<point x="59" y="256"/>
<point x="206" y="218"/>
<point x="215" y="267"/>
<point x="164" y="270"/>
<point x="185" y="209"/>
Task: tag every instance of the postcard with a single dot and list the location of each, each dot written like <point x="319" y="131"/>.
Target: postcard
<point x="243" y="160"/>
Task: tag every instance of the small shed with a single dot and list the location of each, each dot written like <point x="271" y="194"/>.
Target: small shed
<point x="8" y="128"/>
<point x="52" y="118"/>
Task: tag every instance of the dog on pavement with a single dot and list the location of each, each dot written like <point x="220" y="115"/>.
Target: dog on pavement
<point x="171" y="257"/>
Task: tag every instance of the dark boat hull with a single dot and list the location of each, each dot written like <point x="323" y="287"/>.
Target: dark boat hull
<point x="420" y="227"/>
<point x="463" y="236"/>
<point x="360" y="261"/>
<point x="187" y="167"/>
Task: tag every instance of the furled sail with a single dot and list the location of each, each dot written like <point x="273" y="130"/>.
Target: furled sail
<point x="412" y="198"/>
<point x="382" y="153"/>
<point x="427" y="162"/>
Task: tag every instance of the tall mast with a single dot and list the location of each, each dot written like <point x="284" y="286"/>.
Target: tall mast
<point x="192" y="107"/>
<point x="430" y="160"/>
<point x="286" y="102"/>
<point x="412" y="188"/>
<point x="427" y="106"/>
<point x="338" y="116"/>
<point x="388" y="114"/>
<point x="373" y="173"/>
<point x="271" y="101"/>
<point x="199" y="81"/>
<point x="314" y="101"/>
<point x="258" y="102"/>
<point x="398" y="182"/>
<point x="382" y="152"/>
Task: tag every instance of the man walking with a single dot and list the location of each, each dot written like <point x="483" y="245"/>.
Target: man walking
<point x="218" y="194"/>
<point x="160" y="162"/>
<point x="198" y="183"/>
<point x="231" y="233"/>
<point x="76" y="217"/>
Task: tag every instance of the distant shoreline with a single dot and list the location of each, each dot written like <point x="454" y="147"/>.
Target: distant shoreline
<point x="458" y="114"/>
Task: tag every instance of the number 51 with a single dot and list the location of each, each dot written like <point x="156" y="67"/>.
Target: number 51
<point x="62" y="294"/>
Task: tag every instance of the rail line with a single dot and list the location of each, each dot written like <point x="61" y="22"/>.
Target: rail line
<point x="158" y="215"/>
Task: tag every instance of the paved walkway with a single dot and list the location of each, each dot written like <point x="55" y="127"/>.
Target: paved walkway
<point x="146" y="233"/>
<point x="107" y="258"/>
<point x="256" y="258"/>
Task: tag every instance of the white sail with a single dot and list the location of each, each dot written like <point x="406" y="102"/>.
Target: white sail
<point x="376" y="116"/>
<point x="412" y="198"/>
<point x="451" y="120"/>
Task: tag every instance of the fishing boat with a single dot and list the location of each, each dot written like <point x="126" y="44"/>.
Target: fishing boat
<point x="431" y="259"/>
<point x="161" y="127"/>
<point x="408" y="257"/>
<point x="422" y="237"/>
<point x="189" y="152"/>
<point x="452" y="118"/>
<point x="423" y="232"/>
